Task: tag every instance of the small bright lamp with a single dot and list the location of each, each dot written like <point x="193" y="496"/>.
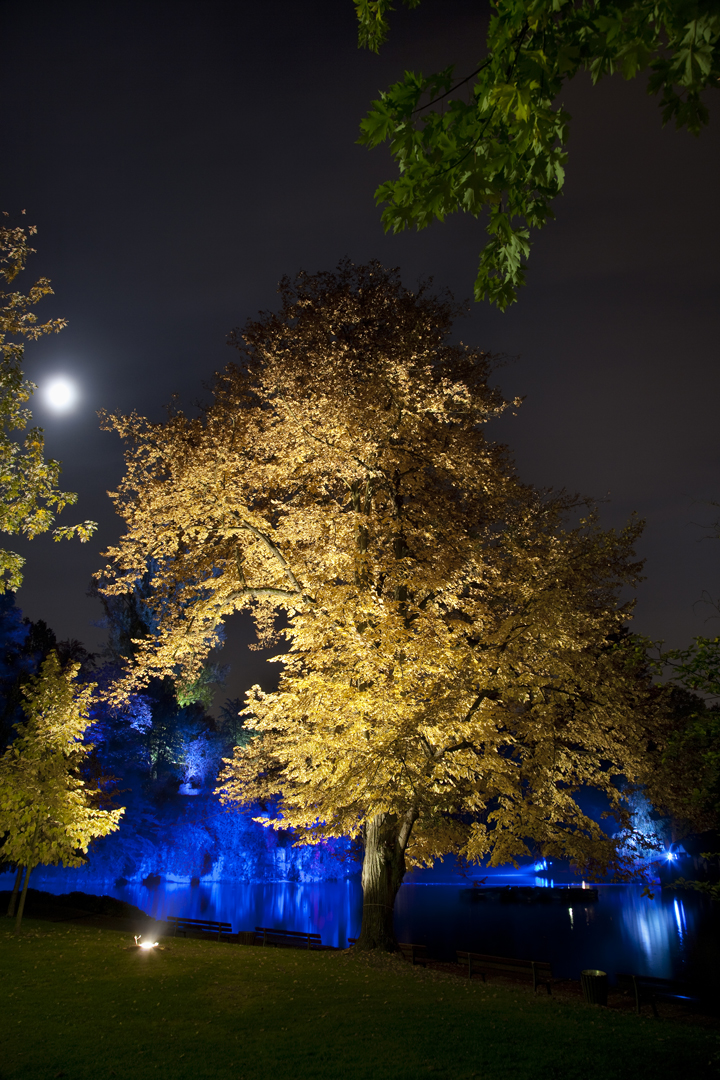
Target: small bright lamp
<point x="145" y="944"/>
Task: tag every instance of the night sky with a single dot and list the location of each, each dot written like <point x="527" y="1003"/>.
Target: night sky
<point x="179" y="158"/>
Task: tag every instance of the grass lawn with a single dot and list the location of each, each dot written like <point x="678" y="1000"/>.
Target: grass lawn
<point x="77" y="1004"/>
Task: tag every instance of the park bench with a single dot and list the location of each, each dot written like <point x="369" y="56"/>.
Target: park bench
<point x="540" y="971"/>
<point x="416" y="954"/>
<point x="268" y="935"/>
<point x="647" y="988"/>
<point x="201" y="927"/>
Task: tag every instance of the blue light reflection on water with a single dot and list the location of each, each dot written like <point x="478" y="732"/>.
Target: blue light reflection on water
<point x="670" y="936"/>
<point x="667" y="937"/>
<point x="332" y="909"/>
<point x="679" y="910"/>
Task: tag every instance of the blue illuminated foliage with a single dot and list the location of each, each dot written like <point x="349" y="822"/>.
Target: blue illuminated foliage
<point x="164" y="758"/>
<point x="652" y="831"/>
<point x="23" y="647"/>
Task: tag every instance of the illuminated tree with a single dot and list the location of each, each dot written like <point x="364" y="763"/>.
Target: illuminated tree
<point x="452" y="679"/>
<point x="48" y="814"/>
<point x="495" y="140"/>
<point x="29" y="493"/>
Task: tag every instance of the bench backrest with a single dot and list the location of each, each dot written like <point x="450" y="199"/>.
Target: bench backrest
<point x="650" y="983"/>
<point x="509" y="962"/>
<point x="203" y="925"/>
<point x="269" y="932"/>
<point x="181" y="920"/>
<point x="540" y="970"/>
<point x="286" y="933"/>
<point x="416" y="954"/>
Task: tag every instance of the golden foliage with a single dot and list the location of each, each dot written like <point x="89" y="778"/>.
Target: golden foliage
<point x="47" y="812"/>
<point x="29" y="493"/>
<point x="451" y="658"/>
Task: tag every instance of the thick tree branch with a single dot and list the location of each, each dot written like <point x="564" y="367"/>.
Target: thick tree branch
<point x="275" y="552"/>
<point x="265" y="592"/>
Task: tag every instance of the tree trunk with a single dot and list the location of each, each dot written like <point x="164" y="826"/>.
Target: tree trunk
<point x="386" y="838"/>
<point x="21" y="906"/>
<point x="14" y="894"/>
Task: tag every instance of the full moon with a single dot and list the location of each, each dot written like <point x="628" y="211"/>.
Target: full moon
<point x="60" y="394"/>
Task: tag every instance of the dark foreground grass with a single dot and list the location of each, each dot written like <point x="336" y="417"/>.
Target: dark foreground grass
<point x="76" y="1004"/>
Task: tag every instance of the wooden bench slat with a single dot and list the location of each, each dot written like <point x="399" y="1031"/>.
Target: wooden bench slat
<point x="201" y="926"/>
<point x="287" y="933"/>
<point x="649" y="988"/>
<point x="198" y="922"/>
<point x="539" y="970"/>
<point x="275" y="935"/>
<point x="416" y="954"/>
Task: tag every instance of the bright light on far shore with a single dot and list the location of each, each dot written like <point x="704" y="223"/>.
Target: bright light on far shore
<point x="60" y="394"/>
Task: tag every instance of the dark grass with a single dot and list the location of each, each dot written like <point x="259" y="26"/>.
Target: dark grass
<point x="77" y="1004"/>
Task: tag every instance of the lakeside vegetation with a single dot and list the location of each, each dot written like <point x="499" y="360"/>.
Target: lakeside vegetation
<point x="79" y="1004"/>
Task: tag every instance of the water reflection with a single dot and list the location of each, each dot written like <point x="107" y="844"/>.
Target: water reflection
<point x="662" y="930"/>
<point x="331" y="909"/>
<point x="680" y="919"/>
<point x="668" y="936"/>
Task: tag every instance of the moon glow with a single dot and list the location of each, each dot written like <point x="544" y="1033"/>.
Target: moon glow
<point x="60" y="394"/>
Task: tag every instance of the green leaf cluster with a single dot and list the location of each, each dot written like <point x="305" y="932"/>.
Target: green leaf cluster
<point x="495" y="141"/>
<point x="201" y="691"/>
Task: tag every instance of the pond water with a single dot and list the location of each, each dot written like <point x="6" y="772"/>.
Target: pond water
<point x="673" y="935"/>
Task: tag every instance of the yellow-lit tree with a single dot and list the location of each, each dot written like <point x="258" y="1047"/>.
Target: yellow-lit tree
<point x="29" y="493"/>
<point x="455" y="672"/>
<point x="48" y="814"/>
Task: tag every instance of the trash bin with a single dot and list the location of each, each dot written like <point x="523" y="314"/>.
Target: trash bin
<point x="594" y="986"/>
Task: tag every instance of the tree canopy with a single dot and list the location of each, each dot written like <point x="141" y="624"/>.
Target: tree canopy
<point x="29" y="493"/>
<point x="686" y="782"/>
<point x="495" y="140"/>
<point x="455" y="672"/>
